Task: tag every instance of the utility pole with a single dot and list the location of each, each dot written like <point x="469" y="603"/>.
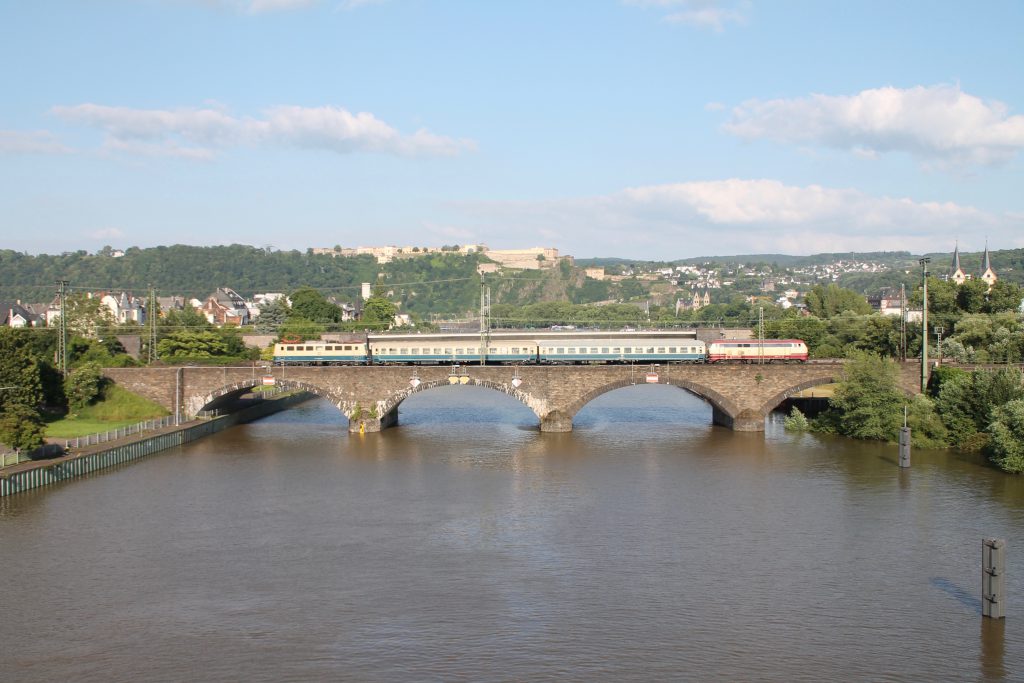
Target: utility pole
<point x="924" y="323"/>
<point x="760" y="335"/>
<point x="939" y="329"/>
<point x="152" y="313"/>
<point x="485" y="312"/>
<point x="903" y="322"/>
<point x="62" y="331"/>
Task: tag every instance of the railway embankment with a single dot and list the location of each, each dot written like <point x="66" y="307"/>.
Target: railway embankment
<point x="81" y="462"/>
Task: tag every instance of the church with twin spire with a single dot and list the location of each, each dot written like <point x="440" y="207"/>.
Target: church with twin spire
<point x="957" y="274"/>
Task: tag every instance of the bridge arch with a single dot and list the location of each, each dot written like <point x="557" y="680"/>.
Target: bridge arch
<point x="197" y="402"/>
<point x="389" y="405"/>
<point x="719" y="403"/>
<point x="773" y="401"/>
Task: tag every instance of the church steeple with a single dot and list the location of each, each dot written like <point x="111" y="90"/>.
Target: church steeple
<point x="956" y="272"/>
<point x="987" y="274"/>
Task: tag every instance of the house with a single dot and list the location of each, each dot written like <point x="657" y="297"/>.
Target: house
<point x="225" y="307"/>
<point x="170" y="303"/>
<point x="16" y="315"/>
<point x="124" y="307"/>
<point x="886" y="302"/>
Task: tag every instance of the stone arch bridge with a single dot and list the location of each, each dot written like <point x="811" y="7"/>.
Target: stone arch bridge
<point x="741" y="396"/>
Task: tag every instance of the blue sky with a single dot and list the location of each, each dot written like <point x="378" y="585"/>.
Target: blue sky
<point x="639" y="128"/>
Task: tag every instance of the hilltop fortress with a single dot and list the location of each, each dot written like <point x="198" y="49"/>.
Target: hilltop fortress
<point x="533" y="258"/>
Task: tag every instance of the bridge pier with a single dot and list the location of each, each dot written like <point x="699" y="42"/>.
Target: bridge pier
<point x="556" y="421"/>
<point x="745" y="421"/>
<point x="365" y="423"/>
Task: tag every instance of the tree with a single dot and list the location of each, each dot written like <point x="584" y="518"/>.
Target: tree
<point x="87" y="316"/>
<point x="20" y="371"/>
<point x="187" y="318"/>
<point x="971" y="296"/>
<point x="272" y="316"/>
<point x="192" y="344"/>
<point x="966" y="403"/>
<point x="310" y="304"/>
<point x="21" y="427"/>
<point x="84" y="385"/>
<point x="868" y="400"/>
<point x="1006" y="437"/>
<point x="831" y="300"/>
<point x="379" y="310"/>
<point x="1004" y="296"/>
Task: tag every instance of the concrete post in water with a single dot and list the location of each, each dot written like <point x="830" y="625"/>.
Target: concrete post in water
<point x="904" y="446"/>
<point x="993" y="578"/>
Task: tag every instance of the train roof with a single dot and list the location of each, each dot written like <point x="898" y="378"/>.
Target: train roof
<point x="756" y="341"/>
<point x="539" y="335"/>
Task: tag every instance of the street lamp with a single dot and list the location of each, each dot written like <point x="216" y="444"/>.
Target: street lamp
<point x="924" y="323"/>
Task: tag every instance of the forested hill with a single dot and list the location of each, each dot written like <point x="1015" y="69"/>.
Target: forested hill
<point x="449" y="281"/>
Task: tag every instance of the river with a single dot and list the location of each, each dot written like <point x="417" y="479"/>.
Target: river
<point x="465" y="545"/>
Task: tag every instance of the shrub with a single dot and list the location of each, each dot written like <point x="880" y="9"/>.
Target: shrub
<point x="796" y="421"/>
<point x="1006" y="437"/>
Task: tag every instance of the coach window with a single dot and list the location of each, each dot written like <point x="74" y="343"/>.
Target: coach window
<point x="604" y="349"/>
<point x="289" y="348"/>
<point x="414" y="352"/>
<point x="650" y="349"/>
<point x="560" y="349"/>
<point x="672" y="349"/>
<point x="661" y="349"/>
<point x="629" y="349"/>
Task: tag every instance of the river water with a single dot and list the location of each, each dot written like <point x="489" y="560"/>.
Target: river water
<point x="465" y="545"/>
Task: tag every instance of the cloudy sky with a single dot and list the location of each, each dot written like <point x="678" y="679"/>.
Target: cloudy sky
<point x="638" y="128"/>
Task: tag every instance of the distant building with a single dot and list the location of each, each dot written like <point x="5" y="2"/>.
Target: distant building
<point x="987" y="274"/>
<point x="225" y="307"/>
<point x="16" y="315"/>
<point x="594" y="273"/>
<point x="956" y="272"/>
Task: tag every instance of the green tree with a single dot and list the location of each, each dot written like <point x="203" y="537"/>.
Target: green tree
<point x="272" y="316"/>
<point x="310" y="304"/>
<point x="1004" y="296"/>
<point x="868" y="402"/>
<point x="87" y="316"/>
<point x="187" y="318"/>
<point x="21" y="427"/>
<point x="379" y="310"/>
<point x="972" y="296"/>
<point x="1006" y="437"/>
<point x="966" y="402"/>
<point x="84" y="385"/>
<point x="831" y="300"/>
<point x="192" y="344"/>
<point x="20" y="371"/>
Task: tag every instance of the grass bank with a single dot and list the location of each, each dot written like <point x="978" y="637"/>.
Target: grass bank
<point x="117" y="408"/>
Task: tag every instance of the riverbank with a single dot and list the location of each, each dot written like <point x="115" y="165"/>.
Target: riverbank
<point x="82" y="461"/>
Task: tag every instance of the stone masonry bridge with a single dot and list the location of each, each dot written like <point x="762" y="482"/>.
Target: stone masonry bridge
<point x="740" y="395"/>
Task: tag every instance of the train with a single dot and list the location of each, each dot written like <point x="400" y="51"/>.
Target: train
<point x="539" y="348"/>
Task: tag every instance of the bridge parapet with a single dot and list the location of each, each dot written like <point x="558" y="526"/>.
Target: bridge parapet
<point x="740" y="395"/>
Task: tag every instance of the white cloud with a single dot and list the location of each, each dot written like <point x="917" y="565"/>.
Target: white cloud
<point x="106" y="233"/>
<point x="737" y="216"/>
<point x="940" y="124"/>
<point x="710" y="14"/>
<point x="31" y="142"/>
<point x="200" y="133"/>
